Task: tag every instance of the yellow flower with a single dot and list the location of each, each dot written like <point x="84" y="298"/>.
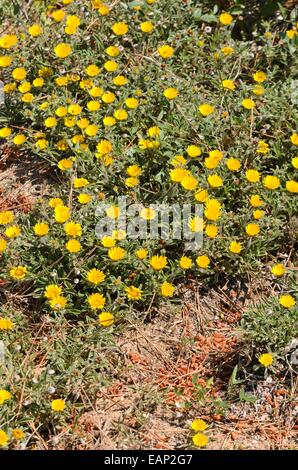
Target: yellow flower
<point x="113" y="51"/>
<point x="55" y="202"/>
<point x="235" y="247"/>
<point x="6" y="324"/>
<point x="211" y="231"/>
<point x="291" y="33"/>
<point x="233" y="164"/>
<point x="201" y="195"/>
<point x="120" y="29"/>
<point x="27" y="97"/>
<point x="147" y="27"/>
<point x="50" y="122"/>
<point x="252" y="176"/>
<point x="13" y="231"/>
<point x="203" y="261"/>
<point x="74" y="109"/>
<point x="165" y="51"/>
<point x="148" y="213"/>
<point x="252" y="229"/>
<point x="167" y="289"/>
<point x="258" y="90"/>
<point x="287" y="301"/>
<point x="108" y="98"/>
<point x="113" y="212"/>
<point x="266" y="359"/>
<point x="132" y="103"/>
<point x="133" y="293"/>
<point x="61" y="81"/>
<point x="4" y="439"/>
<point x="292" y="186"/>
<point x="228" y="85"/>
<point x="171" y="93"/>
<point x="215" y="181"/>
<point x="206" y="109"/>
<point x="3" y="245"/>
<point x="158" y="262"/>
<point x="95" y="276"/>
<point x="189" y="182"/>
<point x="5" y="132"/>
<point x="106" y="319"/>
<point x="108" y="242"/>
<point x="41" y="229"/>
<point x="212" y="209"/>
<point x="116" y="253"/>
<point x="103" y="9"/>
<point x="271" y="182"/>
<point x="263" y="147"/>
<point x="62" y="50"/>
<point x="109" y="121"/>
<point x="58" y="405"/>
<point x="120" y="114"/>
<point x="61" y="214"/>
<point x="193" y="151"/>
<point x="19" y="139"/>
<point x="18" y="434"/>
<point x="96" y="301"/>
<point x="200" y="439"/>
<point x="80" y="182"/>
<point x="227" y="50"/>
<point x="38" y="82"/>
<point x="120" y="80"/>
<point x="58" y="15"/>
<point x="73" y="229"/>
<point x="6" y="217"/>
<point x="196" y="224"/>
<point x="8" y="40"/>
<point x="225" y="19"/>
<point x="52" y="291"/>
<point x="248" y="103"/>
<point x="92" y="106"/>
<point x="255" y="200"/>
<point x="35" y="30"/>
<point x="73" y="246"/>
<point x="110" y="66"/>
<point x="4" y="396"/>
<point x="73" y="21"/>
<point x="58" y="302"/>
<point x="258" y="214"/>
<point x="294" y="138"/>
<point x="185" y="262"/>
<point x="18" y="273"/>
<point x="211" y="162"/>
<point x="131" y="182"/>
<point x="104" y="147"/>
<point x="259" y="76"/>
<point x="178" y="160"/>
<point x="19" y="73"/>
<point x="5" y="61"/>
<point x="24" y="87"/>
<point x="84" y="198"/>
<point x="91" y="130"/>
<point x="153" y="131"/>
<point x="141" y="253"/>
<point x="198" y="425"/>
<point x="278" y="270"/>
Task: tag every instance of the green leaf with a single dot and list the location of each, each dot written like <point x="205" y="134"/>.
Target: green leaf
<point x="247" y="397"/>
<point x="209" y="18"/>
<point x="197" y="14"/>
